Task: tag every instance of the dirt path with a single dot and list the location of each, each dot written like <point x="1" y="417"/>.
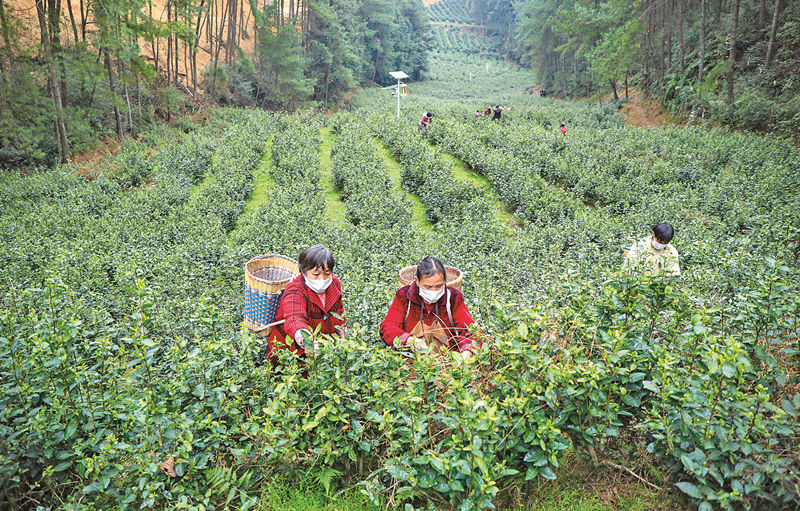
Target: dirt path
<point x="645" y="112"/>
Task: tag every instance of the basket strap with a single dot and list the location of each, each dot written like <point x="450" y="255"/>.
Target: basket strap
<point x="449" y="311"/>
<point x="408" y="310"/>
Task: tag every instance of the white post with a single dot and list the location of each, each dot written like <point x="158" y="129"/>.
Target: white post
<point x="398" y="98"/>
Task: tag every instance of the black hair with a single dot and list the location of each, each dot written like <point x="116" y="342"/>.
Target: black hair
<point x="562" y="126"/>
<point x="429" y="267"/>
<point x="663" y="231"/>
<point x="315" y="256"/>
<point x="430" y="114"/>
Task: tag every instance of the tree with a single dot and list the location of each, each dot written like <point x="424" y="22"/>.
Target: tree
<point x="280" y="65"/>
<point x="732" y="59"/>
<point x="702" y="51"/>
<point x="53" y="79"/>
<point x="772" y="31"/>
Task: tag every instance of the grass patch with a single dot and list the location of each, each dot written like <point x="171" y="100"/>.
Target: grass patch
<point x="334" y="206"/>
<point x="463" y="172"/>
<point x="578" y="487"/>
<point x="262" y="182"/>
<point x="581" y="487"/>
<point x="417" y="209"/>
<point x="281" y="495"/>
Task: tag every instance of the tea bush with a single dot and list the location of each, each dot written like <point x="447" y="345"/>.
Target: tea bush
<point x="121" y="346"/>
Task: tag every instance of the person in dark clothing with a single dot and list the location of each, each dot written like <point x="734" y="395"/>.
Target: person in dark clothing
<point x="497" y="111"/>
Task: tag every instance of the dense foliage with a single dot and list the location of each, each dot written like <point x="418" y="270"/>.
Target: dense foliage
<point x="140" y="63"/>
<point x="732" y="61"/>
<point x="121" y="345"/>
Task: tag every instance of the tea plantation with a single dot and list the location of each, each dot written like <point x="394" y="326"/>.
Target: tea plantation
<point x="123" y="292"/>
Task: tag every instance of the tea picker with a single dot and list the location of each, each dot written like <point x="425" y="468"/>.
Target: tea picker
<point x="290" y="300"/>
<point x="654" y="255"/>
<point x="428" y="311"/>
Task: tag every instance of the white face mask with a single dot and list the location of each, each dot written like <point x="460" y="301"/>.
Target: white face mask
<point x="657" y="245"/>
<point x="431" y="296"/>
<point x="318" y="286"/>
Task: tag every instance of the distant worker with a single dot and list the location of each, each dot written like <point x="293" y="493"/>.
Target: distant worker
<point x="477" y="114"/>
<point x="487" y="112"/>
<point x="313" y="299"/>
<point x="425" y="121"/>
<point x="542" y="93"/>
<point x="428" y="313"/>
<point x="654" y="255"/>
<point x="497" y="111"/>
<point x="563" y="130"/>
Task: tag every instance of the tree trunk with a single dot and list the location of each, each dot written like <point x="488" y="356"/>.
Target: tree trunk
<point x="680" y="36"/>
<point x="177" y="51"/>
<point x="614" y="88"/>
<point x="55" y="90"/>
<point x="772" y="31"/>
<point x="112" y="85"/>
<point x="663" y="41"/>
<point x="127" y="96"/>
<point x="169" y="43"/>
<point x="195" y="43"/>
<point x="54" y="13"/>
<point x="702" y="42"/>
<point x="84" y="17"/>
<point x="230" y="51"/>
<point x="626" y="84"/>
<point x="72" y="21"/>
<point x="762" y="14"/>
<point x="732" y="70"/>
<point x="219" y="47"/>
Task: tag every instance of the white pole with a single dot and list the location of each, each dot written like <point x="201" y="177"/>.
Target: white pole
<point x="398" y="98"/>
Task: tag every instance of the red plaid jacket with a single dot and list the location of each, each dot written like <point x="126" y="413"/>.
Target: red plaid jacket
<point x="407" y="307"/>
<point x="302" y="309"/>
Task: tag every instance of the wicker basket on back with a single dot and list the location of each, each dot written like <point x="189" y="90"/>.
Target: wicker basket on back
<point x="265" y="278"/>
<point x="408" y="275"/>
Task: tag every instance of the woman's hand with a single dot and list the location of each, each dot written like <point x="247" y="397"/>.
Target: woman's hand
<point x="416" y="343"/>
<point x="298" y="339"/>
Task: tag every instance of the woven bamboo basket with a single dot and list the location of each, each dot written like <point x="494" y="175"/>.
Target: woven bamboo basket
<point x="265" y="277"/>
<point x="408" y="275"/>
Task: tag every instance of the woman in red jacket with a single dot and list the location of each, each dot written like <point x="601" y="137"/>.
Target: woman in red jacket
<point x="313" y="299"/>
<point x="429" y="313"/>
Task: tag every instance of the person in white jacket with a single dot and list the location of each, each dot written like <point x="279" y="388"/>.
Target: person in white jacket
<point x="654" y="255"/>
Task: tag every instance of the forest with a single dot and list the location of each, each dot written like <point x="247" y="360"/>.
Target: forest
<point x="76" y="73"/>
<point x="733" y="61"/>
